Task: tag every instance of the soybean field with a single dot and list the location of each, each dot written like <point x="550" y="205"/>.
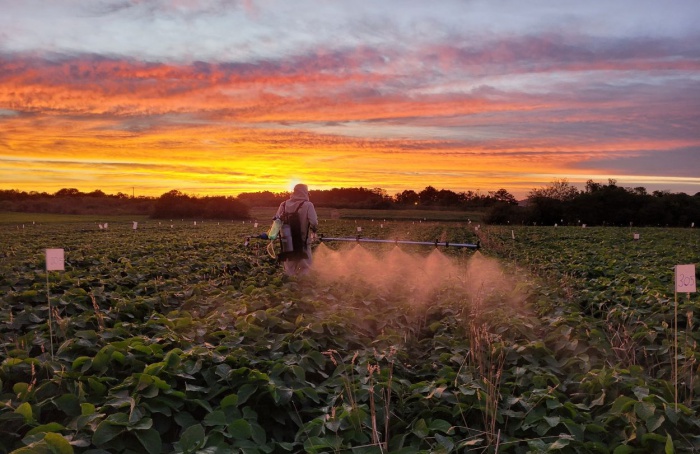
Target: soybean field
<point x="180" y="336"/>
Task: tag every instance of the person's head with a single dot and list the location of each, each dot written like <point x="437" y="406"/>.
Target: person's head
<point x="301" y="191"/>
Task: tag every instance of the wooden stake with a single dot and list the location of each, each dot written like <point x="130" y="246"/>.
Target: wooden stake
<point x="48" y="301"/>
<point x="675" y="349"/>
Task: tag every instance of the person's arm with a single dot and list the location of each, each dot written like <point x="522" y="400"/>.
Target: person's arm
<point x="312" y="217"/>
<point x="280" y="211"/>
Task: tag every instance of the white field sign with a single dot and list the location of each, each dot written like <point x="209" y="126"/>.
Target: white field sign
<point x="55" y="260"/>
<point x="685" y="279"/>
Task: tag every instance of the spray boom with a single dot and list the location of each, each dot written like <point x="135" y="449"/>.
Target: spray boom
<point x="436" y="243"/>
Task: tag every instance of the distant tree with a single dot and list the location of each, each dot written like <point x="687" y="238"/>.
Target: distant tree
<point x="13" y="194"/>
<point x="608" y="205"/>
<point x="381" y="192"/>
<point x="503" y="196"/>
<point x="448" y="198"/>
<point x="262" y="199"/>
<point x="548" y="205"/>
<point x="592" y="186"/>
<point x="407" y="197"/>
<point x="505" y="213"/>
<point x="428" y="196"/>
<point x="558" y="190"/>
<point x="175" y="204"/>
<point x="350" y="198"/>
<point x="220" y="207"/>
<point x="68" y="192"/>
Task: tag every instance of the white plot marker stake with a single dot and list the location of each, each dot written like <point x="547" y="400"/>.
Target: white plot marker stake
<point x="55" y="261"/>
<point x="685" y="283"/>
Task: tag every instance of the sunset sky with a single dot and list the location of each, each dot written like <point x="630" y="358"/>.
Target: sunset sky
<point x="228" y="96"/>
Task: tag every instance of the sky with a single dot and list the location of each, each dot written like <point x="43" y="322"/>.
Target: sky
<point x="219" y="97"/>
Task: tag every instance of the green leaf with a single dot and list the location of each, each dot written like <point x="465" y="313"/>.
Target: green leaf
<point x="286" y="446"/>
<point x="52" y="443"/>
<point x="595" y="428"/>
<point x="192" y="438"/>
<point x="150" y="439"/>
<point x="420" y="429"/>
<point x="654" y="422"/>
<point x="58" y="444"/>
<point x="445" y="442"/>
<point x="245" y="392"/>
<point x="68" y="404"/>
<point x="653" y="437"/>
<point x="599" y="401"/>
<point x="299" y="373"/>
<point x="20" y="388"/>
<point x="623" y="449"/>
<point x="97" y="386"/>
<point x="142" y="424"/>
<point x="641" y="393"/>
<point x="440" y="425"/>
<point x="172" y="360"/>
<point x="258" y="434"/>
<point x="669" y="449"/>
<point x="644" y="410"/>
<point x="553" y="421"/>
<point x="215" y="418"/>
<point x="240" y="429"/>
<point x="622" y="404"/>
<point x="25" y="409"/>
<point x="229" y="401"/>
<point x="561" y="443"/>
<point x="35" y="448"/>
<point x="281" y="394"/>
<point x="87" y="409"/>
<point x="101" y="359"/>
<point x="45" y="428"/>
<point x="106" y="431"/>
<point x="575" y="429"/>
<point x="135" y="416"/>
<point x="82" y="363"/>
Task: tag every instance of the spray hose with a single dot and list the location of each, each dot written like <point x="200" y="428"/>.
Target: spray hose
<point x="271" y="250"/>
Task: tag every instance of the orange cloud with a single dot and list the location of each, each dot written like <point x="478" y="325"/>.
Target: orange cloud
<point x="326" y="118"/>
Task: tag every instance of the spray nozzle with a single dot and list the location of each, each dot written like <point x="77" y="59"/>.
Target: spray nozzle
<point x="262" y="236"/>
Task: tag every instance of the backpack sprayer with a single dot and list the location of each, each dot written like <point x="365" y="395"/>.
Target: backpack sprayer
<point x="293" y="242"/>
<point x="292" y="245"/>
<point x="284" y="233"/>
<point x="277" y="230"/>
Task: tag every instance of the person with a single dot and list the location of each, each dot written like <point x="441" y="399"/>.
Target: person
<point x="299" y="202"/>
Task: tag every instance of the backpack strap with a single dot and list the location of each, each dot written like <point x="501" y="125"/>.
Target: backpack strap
<point x="284" y="207"/>
<point x="306" y="237"/>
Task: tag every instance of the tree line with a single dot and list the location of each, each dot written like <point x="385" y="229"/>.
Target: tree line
<point x="378" y="198"/>
<point x="600" y="204"/>
<point x="176" y="204"/>
<point x="558" y="203"/>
